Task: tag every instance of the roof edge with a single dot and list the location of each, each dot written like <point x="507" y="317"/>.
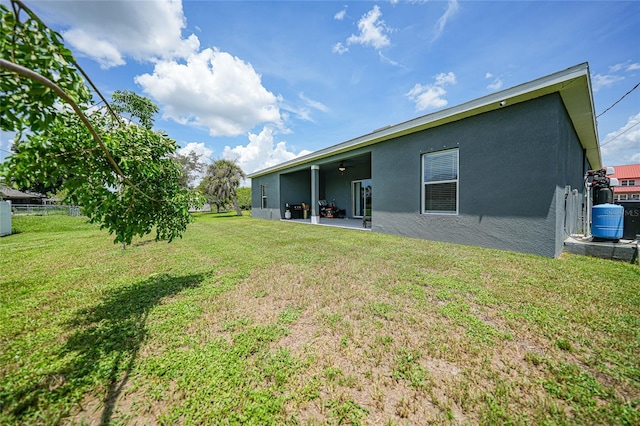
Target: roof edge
<point x="557" y="82"/>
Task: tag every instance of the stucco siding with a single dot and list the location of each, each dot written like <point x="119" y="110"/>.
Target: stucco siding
<point x="335" y="187"/>
<point x="570" y="169"/>
<point x="272" y="209"/>
<point x="507" y="180"/>
<point x="515" y="234"/>
<point x="295" y="188"/>
<point x="516" y="164"/>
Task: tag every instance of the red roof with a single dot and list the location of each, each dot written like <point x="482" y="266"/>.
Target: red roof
<point x="626" y="189"/>
<point x="629" y="171"/>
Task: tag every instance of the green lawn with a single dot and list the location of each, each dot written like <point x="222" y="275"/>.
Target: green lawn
<point x="248" y="321"/>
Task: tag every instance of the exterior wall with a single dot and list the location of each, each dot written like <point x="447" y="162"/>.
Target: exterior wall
<point x="272" y="211"/>
<point x="508" y="179"/>
<point x="336" y="186"/>
<point x="516" y="164"/>
<point x="295" y="188"/>
<point x="572" y="165"/>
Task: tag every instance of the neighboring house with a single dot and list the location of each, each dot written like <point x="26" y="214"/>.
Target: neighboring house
<point x="19" y="197"/>
<point x="503" y="171"/>
<point x="629" y="182"/>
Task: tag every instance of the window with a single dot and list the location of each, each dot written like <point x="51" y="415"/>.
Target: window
<point x="630" y="182"/>
<point x="263" y="194"/>
<point x="440" y="182"/>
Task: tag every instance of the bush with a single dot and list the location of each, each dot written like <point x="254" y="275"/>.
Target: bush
<point x="244" y="198"/>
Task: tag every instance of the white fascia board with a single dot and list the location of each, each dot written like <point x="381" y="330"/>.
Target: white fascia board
<point x="573" y="84"/>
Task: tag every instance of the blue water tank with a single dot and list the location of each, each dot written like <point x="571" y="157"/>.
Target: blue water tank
<point x="607" y="222"/>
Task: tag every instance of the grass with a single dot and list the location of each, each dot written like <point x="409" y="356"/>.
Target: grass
<point x="263" y="322"/>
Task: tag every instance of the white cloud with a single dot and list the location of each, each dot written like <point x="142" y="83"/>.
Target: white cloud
<point x="448" y="78"/>
<point x="212" y="89"/>
<point x="623" y="145"/>
<point x="452" y="9"/>
<point x="207" y="88"/>
<point x="199" y="148"/>
<point x="496" y="83"/>
<point x="261" y="152"/>
<point x="313" y="104"/>
<point x="6" y="142"/>
<point x="431" y="96"/>
<point x="109" y="31"/>
<point x="304" y="111"/>
<point x="428" y="96"/>
<point x="372" y="30"/>
<point x="616" y="67"/>
<point x="102" y="51"/>
<point x="602" y="81"/>
<point x="340" y="15"/>
<point x="339" y="48"/>
<point x="390" y="61"/>
<point x="624" y="66"/>
<point x="204" y="154"/>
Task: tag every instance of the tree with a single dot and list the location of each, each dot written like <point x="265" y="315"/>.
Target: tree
<point x="122" y="174"/>
<point x="129" y="102"/>
<point x="136" y="106"/>
<point x="220" y="183"/>
<point x="26" y="103"/>
<point x="244" y="198"/>
<point x="191" y="168"/>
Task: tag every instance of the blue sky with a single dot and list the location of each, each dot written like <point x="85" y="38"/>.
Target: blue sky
<point x="265" y="81"/>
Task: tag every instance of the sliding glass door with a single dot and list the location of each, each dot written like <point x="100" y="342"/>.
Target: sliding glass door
<point x="361" y="195"/>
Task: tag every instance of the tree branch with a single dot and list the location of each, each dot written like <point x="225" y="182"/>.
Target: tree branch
<point x="25" y="72"/>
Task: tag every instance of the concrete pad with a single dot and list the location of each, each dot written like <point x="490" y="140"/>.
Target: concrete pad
<point x="625" y="250"/>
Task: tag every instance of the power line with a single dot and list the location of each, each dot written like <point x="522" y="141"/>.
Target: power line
<point x="619" y="134"/>
<point x="616" y="102"/>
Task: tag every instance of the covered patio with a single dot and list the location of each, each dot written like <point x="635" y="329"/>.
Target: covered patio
<point x="342" y="186"/>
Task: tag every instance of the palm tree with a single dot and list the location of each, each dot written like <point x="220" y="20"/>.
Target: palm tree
<point x="221" y="181"/>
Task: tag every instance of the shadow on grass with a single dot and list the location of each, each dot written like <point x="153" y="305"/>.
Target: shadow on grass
<point x="101" y="351"/>
<point x="111" y="334"/>
<point x="231" y="214"/>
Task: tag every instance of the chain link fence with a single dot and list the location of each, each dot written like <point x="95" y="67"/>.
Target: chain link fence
<point x="44" y="210"/>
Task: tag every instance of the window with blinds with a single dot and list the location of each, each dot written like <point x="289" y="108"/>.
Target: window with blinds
<point x="440" y="182"/>
<point x="263" y="195"/>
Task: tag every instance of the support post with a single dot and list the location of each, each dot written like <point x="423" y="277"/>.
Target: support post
<point x="315" y="194"/>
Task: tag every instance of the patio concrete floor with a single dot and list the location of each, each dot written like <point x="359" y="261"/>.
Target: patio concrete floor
<point x="353" y="223"/>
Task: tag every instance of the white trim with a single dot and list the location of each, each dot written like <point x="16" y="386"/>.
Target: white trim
<point x="353" y="198"/>
<point x="424" y="184"/>
<point x="263" y="197"/>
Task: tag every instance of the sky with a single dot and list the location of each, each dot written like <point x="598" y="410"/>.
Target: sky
<point x="262" y="82"/>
